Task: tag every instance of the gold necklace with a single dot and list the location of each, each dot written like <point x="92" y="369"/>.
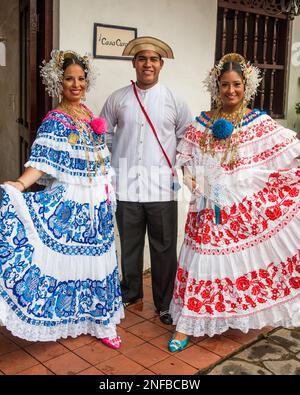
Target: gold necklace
<point x="231" y="117"/>
<point x="80" y="116"/>
<point x="209" y="144"/>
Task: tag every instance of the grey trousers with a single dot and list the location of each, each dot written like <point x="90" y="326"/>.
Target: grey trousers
<point x="160" y="220"/>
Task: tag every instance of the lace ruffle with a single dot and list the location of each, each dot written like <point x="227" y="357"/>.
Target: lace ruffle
<point x="285" y="315"/>
<point x="52" y="333"/>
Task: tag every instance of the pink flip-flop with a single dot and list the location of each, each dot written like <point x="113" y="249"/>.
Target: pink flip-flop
<point x="114" y="342"/>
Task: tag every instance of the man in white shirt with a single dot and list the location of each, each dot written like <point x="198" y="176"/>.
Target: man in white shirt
<point x="142" y="159"/>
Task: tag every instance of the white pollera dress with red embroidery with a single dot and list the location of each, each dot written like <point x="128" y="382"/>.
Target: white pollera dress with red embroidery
<point x="244" y="272"/>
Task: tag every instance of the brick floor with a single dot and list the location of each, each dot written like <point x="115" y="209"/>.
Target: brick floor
<point x="143" y="352"/>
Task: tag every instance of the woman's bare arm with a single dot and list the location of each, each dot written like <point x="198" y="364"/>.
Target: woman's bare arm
<point x="29" y="177"/>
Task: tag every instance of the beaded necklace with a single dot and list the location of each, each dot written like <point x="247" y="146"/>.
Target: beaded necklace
<point x="81" y="117"/>
<point x="208" y="143"/>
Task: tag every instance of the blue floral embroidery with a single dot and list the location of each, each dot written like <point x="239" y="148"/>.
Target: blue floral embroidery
<point x="43" y="300"/>
<point x="61" y="161"/>
<point x="59" y="223"/>
<point x="54" y="130"/>
<point x="66" y="227"/>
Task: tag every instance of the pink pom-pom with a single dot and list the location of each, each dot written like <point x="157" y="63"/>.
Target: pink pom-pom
<point x="99" y="125"/>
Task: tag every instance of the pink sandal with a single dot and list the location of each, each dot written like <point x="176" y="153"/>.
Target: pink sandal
<point x="114" y="342"/>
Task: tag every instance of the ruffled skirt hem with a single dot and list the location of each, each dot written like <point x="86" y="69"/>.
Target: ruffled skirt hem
<point x="44" y="333"/>
<point x="285" y="314"/>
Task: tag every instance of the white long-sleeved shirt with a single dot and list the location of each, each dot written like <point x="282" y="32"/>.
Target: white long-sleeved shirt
<point x="142" y="171"/>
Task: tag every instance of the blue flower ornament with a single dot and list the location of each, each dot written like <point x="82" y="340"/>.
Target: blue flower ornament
<point x="221" y="129"/>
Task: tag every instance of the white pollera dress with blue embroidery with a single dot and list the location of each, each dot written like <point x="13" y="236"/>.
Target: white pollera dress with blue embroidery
<point x="58" y="266"/>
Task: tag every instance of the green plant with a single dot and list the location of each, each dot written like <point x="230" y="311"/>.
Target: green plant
<point x="297" y="108"/>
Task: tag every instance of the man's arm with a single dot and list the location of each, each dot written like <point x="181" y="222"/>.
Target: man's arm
<point x="184" y="119"/>
<point x="109" y="112"/>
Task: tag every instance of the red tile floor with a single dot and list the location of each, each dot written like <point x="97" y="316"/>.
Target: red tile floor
<point x="143" y="351"/>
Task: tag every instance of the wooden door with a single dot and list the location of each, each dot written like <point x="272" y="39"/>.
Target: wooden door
<point x="36" y="20"/>
<point x="27" y="116"/>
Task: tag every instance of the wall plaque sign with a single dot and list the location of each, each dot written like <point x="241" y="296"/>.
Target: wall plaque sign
<point x="110" y="40"/>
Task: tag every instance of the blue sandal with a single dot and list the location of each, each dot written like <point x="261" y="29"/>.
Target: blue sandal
<point x="178" y="345"/>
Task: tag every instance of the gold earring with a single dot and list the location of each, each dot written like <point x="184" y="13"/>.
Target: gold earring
<point x="219" y="103"/>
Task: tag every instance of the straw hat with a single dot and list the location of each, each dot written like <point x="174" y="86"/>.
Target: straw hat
<point x="148" y="43"/>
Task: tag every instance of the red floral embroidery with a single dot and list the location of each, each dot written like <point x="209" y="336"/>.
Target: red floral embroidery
<point x="247" y="293"/>
<point x="295" y="282"/>
<point x="180" y="275"/>
<point x="242" y="283"/>
<point x="257" y="131"/>
<point x="220" y="307"/>
<point x="273" y="212"/>
<point x="205" y="294"/>
<point x="294" y="192"/>
<point x="261" y="157"/>
<point x="249" y="220"/>
<point x="194" y="304"/>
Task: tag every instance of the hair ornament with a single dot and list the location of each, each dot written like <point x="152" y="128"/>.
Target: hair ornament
<point x="52" y="72"/>
<point x="251" y="75"/>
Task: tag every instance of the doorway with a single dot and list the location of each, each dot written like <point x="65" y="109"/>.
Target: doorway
<point x="36" y="41"/>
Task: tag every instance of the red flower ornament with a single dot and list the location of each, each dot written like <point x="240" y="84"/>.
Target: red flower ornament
<point x="295" y="282"/>
<point x="220" y="307"/>
<point x="182" y="293"/>
<point x="294" y="192"/>
<point x="205" y="294"/>
<point x="194" y="305"/>
<point x="99" y="125"/>
<point x="242" y="283"/>
<point x="255" y="290"/>
<point x="263" y="273"/>
<point x="273" y="212"/>
<point x="181" y="275"/>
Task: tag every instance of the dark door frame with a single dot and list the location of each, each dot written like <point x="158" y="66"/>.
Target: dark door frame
<point x="44" y="48"/>
<point x="36" y="41"/>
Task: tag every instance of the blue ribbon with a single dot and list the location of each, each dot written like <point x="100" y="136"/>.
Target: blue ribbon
<point x="218" y="215"/>
<point x="175" y="186"/>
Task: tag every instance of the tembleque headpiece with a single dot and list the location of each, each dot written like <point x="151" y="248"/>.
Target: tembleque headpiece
<point x="251" y="76"/>
<point x="147" y="43"/>
<point x="52" y="71"/>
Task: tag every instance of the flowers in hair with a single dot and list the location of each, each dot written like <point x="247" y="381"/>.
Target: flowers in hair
<point x="99" y="125"/>
<point x="221" y="129"/>
<point x="52" y="71"/>
<point x="251" y="75"/>
<point x="52" y="75"/>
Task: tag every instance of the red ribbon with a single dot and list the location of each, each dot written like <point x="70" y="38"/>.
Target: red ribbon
<point x="153" y="128"/>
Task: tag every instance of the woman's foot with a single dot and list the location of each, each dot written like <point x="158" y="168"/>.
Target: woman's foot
<point x="178" y="342"/>
<point x="112" y="342"/>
